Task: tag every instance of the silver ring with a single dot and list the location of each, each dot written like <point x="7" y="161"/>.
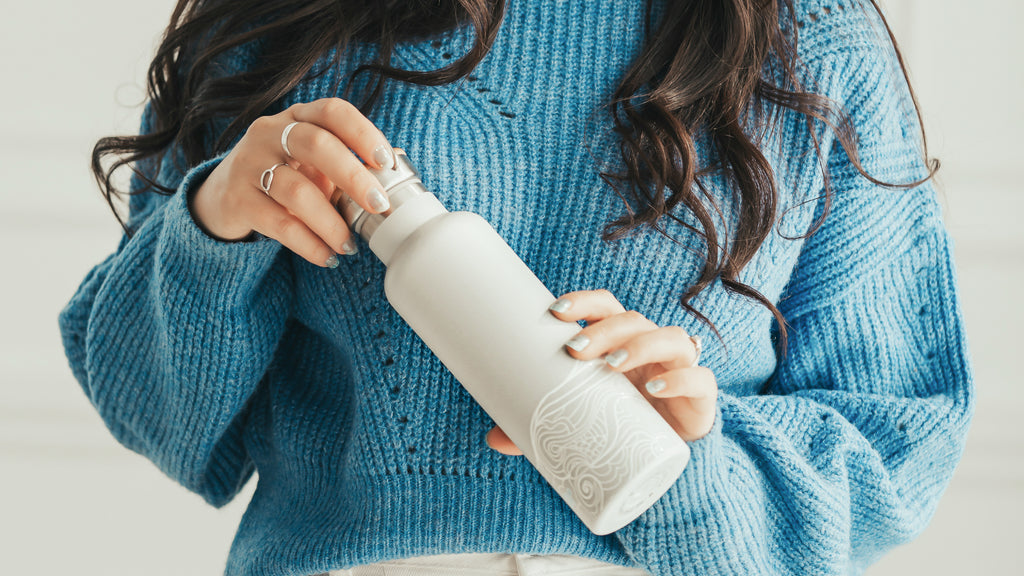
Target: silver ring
<point x="267" y="178"/>
<point x="699" y="345"/>
<point x="284" y="138"/>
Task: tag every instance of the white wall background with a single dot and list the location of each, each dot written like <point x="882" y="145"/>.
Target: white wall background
<point x="73" y="501"/>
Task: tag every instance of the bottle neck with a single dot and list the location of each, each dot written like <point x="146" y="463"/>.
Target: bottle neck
<point x="411" y="205"/>
<point x="395" y="230"/>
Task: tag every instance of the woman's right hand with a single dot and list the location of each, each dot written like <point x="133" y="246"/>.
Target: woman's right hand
<point x="299" y="211"/>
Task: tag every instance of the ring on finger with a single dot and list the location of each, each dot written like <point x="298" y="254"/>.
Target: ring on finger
<point x="284" y="138"/>
<point x="698" y="345"/>
<point x="267" y="178"/>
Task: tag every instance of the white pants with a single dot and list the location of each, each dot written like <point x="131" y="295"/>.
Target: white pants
<point x="491" y="565"/>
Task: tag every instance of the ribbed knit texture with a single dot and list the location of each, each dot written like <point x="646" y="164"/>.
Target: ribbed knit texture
<point x="217" y="359"/>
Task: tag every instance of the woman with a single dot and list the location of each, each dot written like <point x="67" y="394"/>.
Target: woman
<point x="779" y="206"/>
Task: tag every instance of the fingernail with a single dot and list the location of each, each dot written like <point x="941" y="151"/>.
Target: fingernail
<point x="578" y="342"/>
<point x="655" y="386"/>
<point x="378" y="201"/>
<point x="332" y="262"/>
<point x="350" y="247"/>
<point x="384" y="156"/>
<point x="561" y="305"/>
<point x="616" y="358"/>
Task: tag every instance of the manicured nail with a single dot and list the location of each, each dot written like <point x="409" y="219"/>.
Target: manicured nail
<point x="378" y="201"/>
<point x="561" y="305"/>
<point x="384" y="156"/>
<point x="578" y="342"/>
<point x="332" y="262"/>
<point x="616" y="358"/>
<point x="350" y="247"/>
<point x="655" y="386"/>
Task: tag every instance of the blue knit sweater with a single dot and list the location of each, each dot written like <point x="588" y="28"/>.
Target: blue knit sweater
<point x="215" y="360"/>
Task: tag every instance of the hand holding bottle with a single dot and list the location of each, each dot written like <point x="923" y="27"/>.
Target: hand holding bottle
<point x="311" y="166"/>
<point x="597" y="441"/>
<point x="660" y="361"/>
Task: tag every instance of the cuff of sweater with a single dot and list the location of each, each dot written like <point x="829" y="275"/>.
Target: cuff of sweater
<point x="653" y="537"/>
<point x="189" y="253"/>
<point x="700" y="477"/>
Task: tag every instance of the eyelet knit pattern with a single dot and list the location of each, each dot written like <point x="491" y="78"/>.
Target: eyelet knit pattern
<point x="215" y="360"/>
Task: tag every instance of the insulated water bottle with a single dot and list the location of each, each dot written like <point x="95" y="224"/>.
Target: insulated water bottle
<point x="484" y="314"/>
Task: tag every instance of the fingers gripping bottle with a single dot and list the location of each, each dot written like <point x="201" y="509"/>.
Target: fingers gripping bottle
<point x="461" y="288"/>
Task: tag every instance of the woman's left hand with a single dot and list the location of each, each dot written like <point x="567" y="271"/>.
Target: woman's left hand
<point x="646" y="353"/>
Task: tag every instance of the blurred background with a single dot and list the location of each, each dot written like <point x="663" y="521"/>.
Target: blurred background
<point x="74" y="501"/>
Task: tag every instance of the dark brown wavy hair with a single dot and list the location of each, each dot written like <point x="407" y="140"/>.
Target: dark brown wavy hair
<point x="706" y="65"/>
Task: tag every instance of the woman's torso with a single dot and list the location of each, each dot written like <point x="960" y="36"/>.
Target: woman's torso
<point x="366" y="447"/>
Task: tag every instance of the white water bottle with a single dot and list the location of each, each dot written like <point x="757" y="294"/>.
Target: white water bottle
<point x="484" y="313"/>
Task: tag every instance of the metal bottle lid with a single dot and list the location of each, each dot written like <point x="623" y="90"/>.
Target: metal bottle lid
<point x="400" y="183"/>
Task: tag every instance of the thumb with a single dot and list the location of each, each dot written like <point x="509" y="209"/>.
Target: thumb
<point x="498" y="440"/>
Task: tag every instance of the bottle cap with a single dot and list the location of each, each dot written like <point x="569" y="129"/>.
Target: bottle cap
<point x="391" y="179"/>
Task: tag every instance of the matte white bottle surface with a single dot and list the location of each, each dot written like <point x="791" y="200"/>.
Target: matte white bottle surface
<point x="484" y="313"/>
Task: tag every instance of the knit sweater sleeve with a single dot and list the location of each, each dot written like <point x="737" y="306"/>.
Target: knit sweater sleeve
<point x="847" y="451"/>
<point x="170" y="335"/>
